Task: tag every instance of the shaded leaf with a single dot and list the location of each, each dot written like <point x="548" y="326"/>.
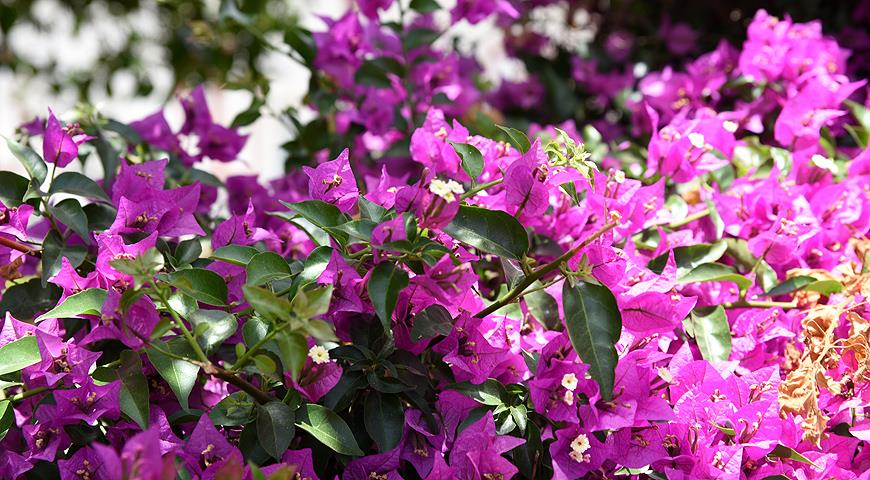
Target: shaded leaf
<point x="594" y="324"/>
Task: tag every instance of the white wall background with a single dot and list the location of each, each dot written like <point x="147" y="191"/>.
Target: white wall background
<point x="23" y="97"/>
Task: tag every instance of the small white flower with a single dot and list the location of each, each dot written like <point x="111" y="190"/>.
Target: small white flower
<point x="569" y="381"/>
<point x="579" y="446"/>
<point x="697" y="139"/>
<point x="446" y="190"/>
<point x="619" y="176"/>
<point x="729" y="126"/>
<point x="319" y="355"/>
<point x="824" y="163"/>
<point x="568" y="398"/>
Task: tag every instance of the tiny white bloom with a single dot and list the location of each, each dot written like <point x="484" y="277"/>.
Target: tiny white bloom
<point x="619" y="176"/>
<point x="446" y="190"/>
<point x="568" y="398"/>
<point x="579" y="446"/>
<point x="697" y="139"/>
<point x="319" y="355"/>
<point x="824" y="163"/>
<point x="729" y="126"/>
<point x="569" y="381"/>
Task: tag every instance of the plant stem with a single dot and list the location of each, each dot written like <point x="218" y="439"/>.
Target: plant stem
<point x="246" y="357"/>
<point x="759" y="304"/>
<point x="233" y="379"/>
<point x="482" y="186"/>
<point x="181" y="326"/>
<point x="540" y="272"/>
<point x="691" y="218"/>
<point x="28" y="393"/>
<point x="7" y="242"/>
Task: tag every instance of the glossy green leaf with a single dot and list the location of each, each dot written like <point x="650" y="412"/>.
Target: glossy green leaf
<point x="825" y="287"/>
<point x="712" y="333"/>
<point x="233" y="410"/>
<point x="293" y="349"/>
<point x="213" y="327"/>
<point x="89" y="301"/>
<point x="54" y="249"/>
<point x="27" y="299"/>
<point x="134" y="395"/>
<point x="19" y="354"/>
<point x="327" y="428"/>
<point x="490" y="392"/>
<point x="7" y="417"/>
<point x="310" y="303"/>
<point x="77" y="184"/>
<point x="491" y="231"/>
<point x="179" y="374"/>
<point x="472" y="159"/>
<point x="517" y="138"/>
<point x="235" y="254"/>
<point x="715" y="272"/>
<point x="689" y="257"/>
<point x="69" y="212"/>
<point x="266" y="267"/>
<point x="188" y="251"/>
<point x="32" y="162"/>
<point x="275" y="428"/>
<point x="384" y="419"/>
<point x="13" y="187"/>
<point x="788" y="453"/>
<point x="431" y="322"/>
<point x="790" y="285"/>
<point x="594" y="324"/>
<point x="383" y="287"/>
<point x="204" y="285"/>
<point x="266" y="303"/>
<point x="544" y="308"/>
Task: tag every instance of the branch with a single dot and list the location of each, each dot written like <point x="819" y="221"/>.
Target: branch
<point x="760" y="304"/>
<point x="8" y="242"/>
<point x="233" y="379"/>
<point x="540" y="272"/>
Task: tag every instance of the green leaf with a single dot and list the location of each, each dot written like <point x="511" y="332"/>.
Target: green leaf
<point x="825" y="287"/>
<point x="860" y="112"/>
<point x="275" y="428"/>
<point x="317" y="212"/>
<point x="425" y="6"/>
<point x="267" y="304"/>
<point x="790" y="285"/>
<point x="313" y="267"/>
<point x="788" y="453"/>
<point x="715" y="272"/>
<point x="179" y="374"/>
<point x="142" y="268"/>
<point x="293" y="349"/>
<point x="88" y="301"/>
<point x="490" y="392"/>
<point x="418" y="37"/>
<point x="100" y="216"/>
<point x="188" y="251"/>
<point x="371" y="211"/>
<point x="213" y="327"/>
<point x="384" y="420"/>
<point x="70" y="213"/>
<point x="19" y="354"/>
<point x="266" y="267"/>
<point x="13" y="187"/>
<point x="235" y="409"/>
<point x="594" y="325"/>
<point x="491" y="231"/>
<point x="712" y="333"/>
<point x="472" y="159"/>
<point x="134" y="394"/>
<point x="77" y="184"/>
<point x="383" y="287"/>
<point x="33" y="163"/>
<point x="327" y="428"/>
<point x="7" y="417"/>
<point x="235" y="254"/>
<point x="26" y="300"/>
<point x="689" y="257"/>
<point x="517" y="138"/>
<point x="544" y="308"/>
<point x="357" y="230"/>
<point x="431" y="322"/>
<point x="204" y="285"/>
<point x="375" y="72"/>
<point x="307" y="304"/>
<point x="54" y="249"/>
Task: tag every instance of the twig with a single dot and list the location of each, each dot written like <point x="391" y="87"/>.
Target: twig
<point x="7" y="242"/>
<point x="540" y="272"/>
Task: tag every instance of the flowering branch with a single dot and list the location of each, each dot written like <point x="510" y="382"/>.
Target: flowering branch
<point x="540" y="272"/>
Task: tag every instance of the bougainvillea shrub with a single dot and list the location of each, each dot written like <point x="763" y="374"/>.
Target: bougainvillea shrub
<point x="678" y="294"/>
